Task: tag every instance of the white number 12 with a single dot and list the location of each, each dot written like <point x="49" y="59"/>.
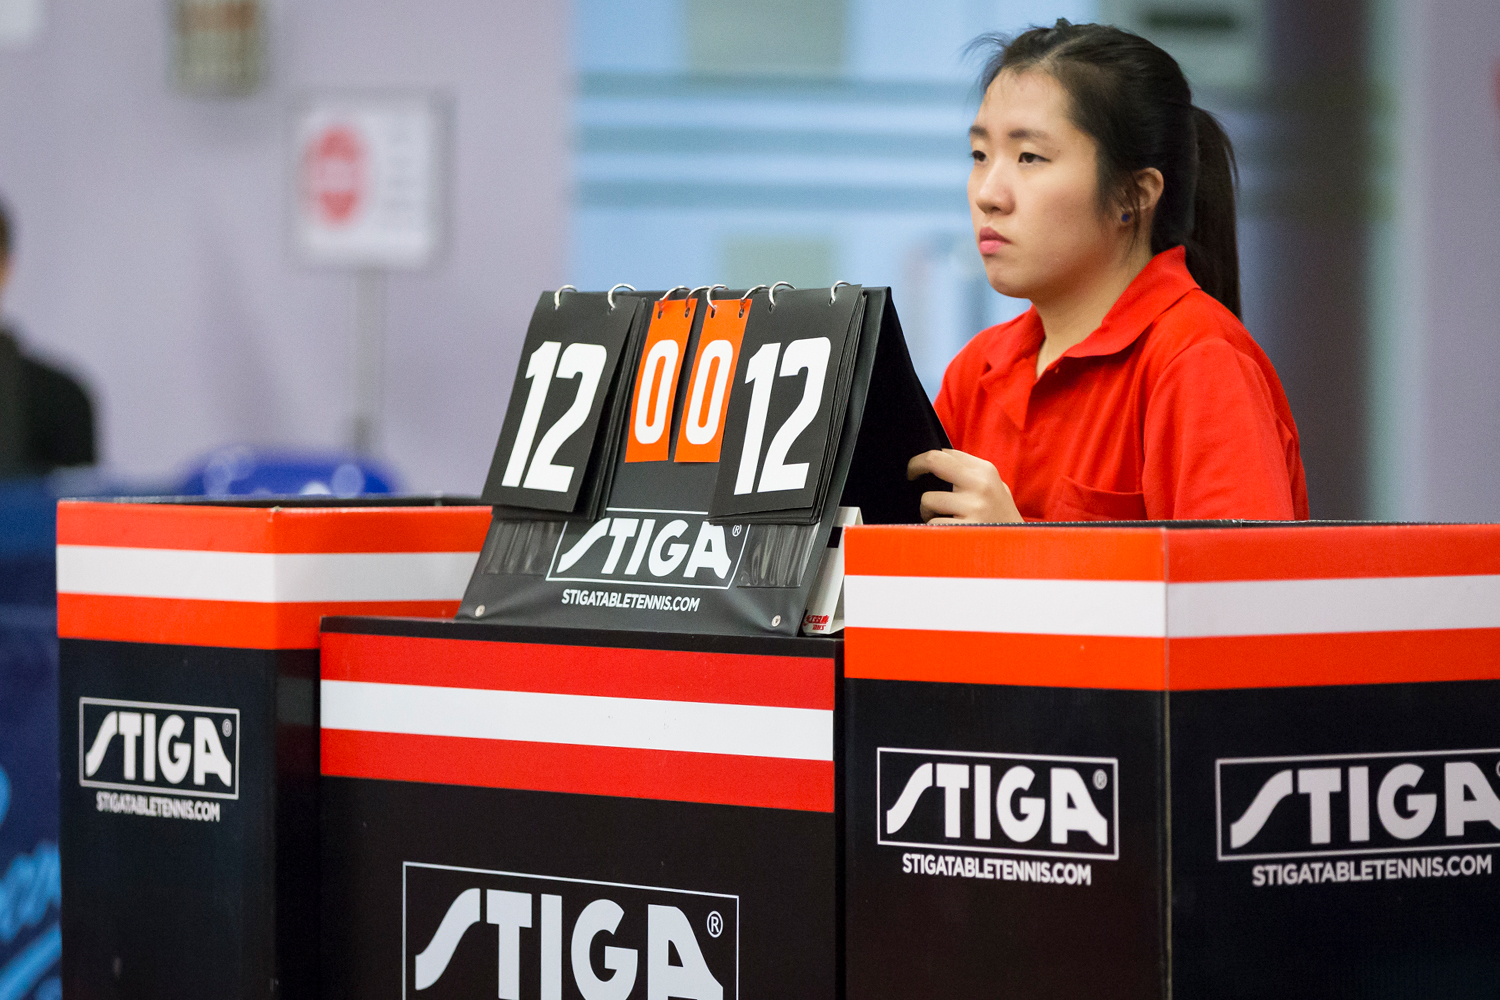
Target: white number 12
<point x="586" y="360"/>
<point x="811" y="354"/>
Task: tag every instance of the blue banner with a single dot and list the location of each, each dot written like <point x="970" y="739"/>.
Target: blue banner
<point x="30" y="883"/>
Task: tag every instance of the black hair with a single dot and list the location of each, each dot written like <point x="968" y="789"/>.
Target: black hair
<point x="4" y="234"/>
<point x="1132" y="99"/>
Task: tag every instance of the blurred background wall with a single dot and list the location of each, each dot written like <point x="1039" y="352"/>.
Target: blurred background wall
<point x="1437" y="408"/>
<point x="153" y="245"/>
<point x="663" y="142"/>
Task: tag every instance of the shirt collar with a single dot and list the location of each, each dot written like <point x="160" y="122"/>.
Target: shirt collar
<point x="1158" y="287"/>
<point x="1161" y="283"/>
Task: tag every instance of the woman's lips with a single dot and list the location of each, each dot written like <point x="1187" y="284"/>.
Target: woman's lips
<point x="991" y="241"/>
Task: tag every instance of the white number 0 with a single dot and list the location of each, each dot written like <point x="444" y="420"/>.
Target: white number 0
<point x="651" y="422"/>
<point x="811" y="354"/>
<point x="586" y="360"/>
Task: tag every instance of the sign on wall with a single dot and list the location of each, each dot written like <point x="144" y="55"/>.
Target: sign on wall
<point x="368" y="174"/>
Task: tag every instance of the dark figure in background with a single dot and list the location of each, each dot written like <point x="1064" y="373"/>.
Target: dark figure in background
<point x="46" y="417"/>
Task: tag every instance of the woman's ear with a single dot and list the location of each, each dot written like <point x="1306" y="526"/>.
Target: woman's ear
<point x="1149" y="184"/>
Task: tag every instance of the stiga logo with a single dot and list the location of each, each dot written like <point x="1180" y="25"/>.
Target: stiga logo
<point x="474" y="933"/>
<point x="999" y="803"/>
<point x="1293" y="807"/>
<point x="665" y="548"/>
<point x="139" y="746"/>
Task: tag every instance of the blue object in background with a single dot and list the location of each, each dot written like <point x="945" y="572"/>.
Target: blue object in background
<point x="30" y="880"/>
<point x="28" y="543"/>
<point x="240" y="471"/>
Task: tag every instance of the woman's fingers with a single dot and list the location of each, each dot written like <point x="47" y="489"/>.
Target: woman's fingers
<point x="978" y="495"/>
<point x="921" y="465"/>
<point x="950" y="466"/>
<point x="941" y="503"/>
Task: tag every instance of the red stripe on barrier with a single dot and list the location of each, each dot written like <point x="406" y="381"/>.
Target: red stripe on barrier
<point x="272" y="529"/>
<point x="1334" y="658"/>
<point x="1073" y="661"/>
<point x="721" y="779"/>
<point x="1015" y="552"/>
<point x="237" y="624"/>
<point x="164" y="526"/>
<point x="670" y="675"/>
<point x="1333" y="552"/>
<point x="1180" y="555"/>
<point x="382" y="529"/>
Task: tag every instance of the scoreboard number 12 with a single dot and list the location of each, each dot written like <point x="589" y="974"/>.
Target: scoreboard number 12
<point x="810" y="355"/>
<point x="582" y="361"/>
<point x="783" y="430"/>
<point x="555" y="431"/>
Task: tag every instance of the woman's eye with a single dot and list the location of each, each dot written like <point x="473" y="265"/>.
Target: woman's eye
<point x="1030" y="158"/>
<point x="978" y="155"/>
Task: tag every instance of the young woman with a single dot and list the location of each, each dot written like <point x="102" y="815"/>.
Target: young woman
<point x="1130" y="389"/>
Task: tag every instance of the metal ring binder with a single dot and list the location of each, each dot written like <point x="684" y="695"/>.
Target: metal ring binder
<point x="557" y="296"/>
<point x="746" y="297"/>
<point x="695" y="291"/>
<point x="616" y="289"/>
<point x="708" y="297"/>
<point x="668" y="294"/>
<point x="833" y="292"/>
<point x="778" y="285"/>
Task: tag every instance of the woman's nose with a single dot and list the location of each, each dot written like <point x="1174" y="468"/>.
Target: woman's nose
<point x="994" y="193"/>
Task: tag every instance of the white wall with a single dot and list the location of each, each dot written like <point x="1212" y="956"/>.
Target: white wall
<point x="1453" y="161"/>
<point x="153" y="253"/>
<point x="1437" y="376"/>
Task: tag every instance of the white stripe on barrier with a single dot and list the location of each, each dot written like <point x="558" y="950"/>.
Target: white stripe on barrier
<point x="587" y="720"/>
<point x="263" y="577"/>
<point x="1180" y="610"/>
<point x="1307" y="607"/>
<point x="981" y="604"/>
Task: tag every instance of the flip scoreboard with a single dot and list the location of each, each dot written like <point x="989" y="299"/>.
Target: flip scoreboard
<point x="676" y="464"/>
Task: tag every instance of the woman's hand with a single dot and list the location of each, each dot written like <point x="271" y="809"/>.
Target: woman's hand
<point x="979" y="495"/>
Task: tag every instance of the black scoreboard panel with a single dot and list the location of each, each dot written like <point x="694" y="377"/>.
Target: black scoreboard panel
<point x="674" y="547"/>
<point x="554" y="442"/>
<point x="793" y="374"/>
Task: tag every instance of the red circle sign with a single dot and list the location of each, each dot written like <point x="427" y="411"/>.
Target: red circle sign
<point x="335" y="174"/>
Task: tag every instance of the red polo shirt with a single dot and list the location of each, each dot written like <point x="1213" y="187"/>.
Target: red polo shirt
<point x="1167" y="411"/>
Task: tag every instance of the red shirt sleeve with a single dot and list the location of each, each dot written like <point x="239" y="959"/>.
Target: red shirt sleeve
<point x="1214" y="447"/>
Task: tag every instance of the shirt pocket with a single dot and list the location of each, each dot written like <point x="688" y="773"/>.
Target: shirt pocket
<point x="1073" y="501"/>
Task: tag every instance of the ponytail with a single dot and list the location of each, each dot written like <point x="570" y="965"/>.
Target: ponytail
<point x="1131" y="98"/>
<point x="1213" y="256"/>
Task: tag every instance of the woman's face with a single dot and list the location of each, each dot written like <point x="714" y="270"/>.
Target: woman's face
<point x="1033" y="192"/>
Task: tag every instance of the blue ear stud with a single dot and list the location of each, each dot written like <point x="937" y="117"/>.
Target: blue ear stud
<point x="1125" y="217"/>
